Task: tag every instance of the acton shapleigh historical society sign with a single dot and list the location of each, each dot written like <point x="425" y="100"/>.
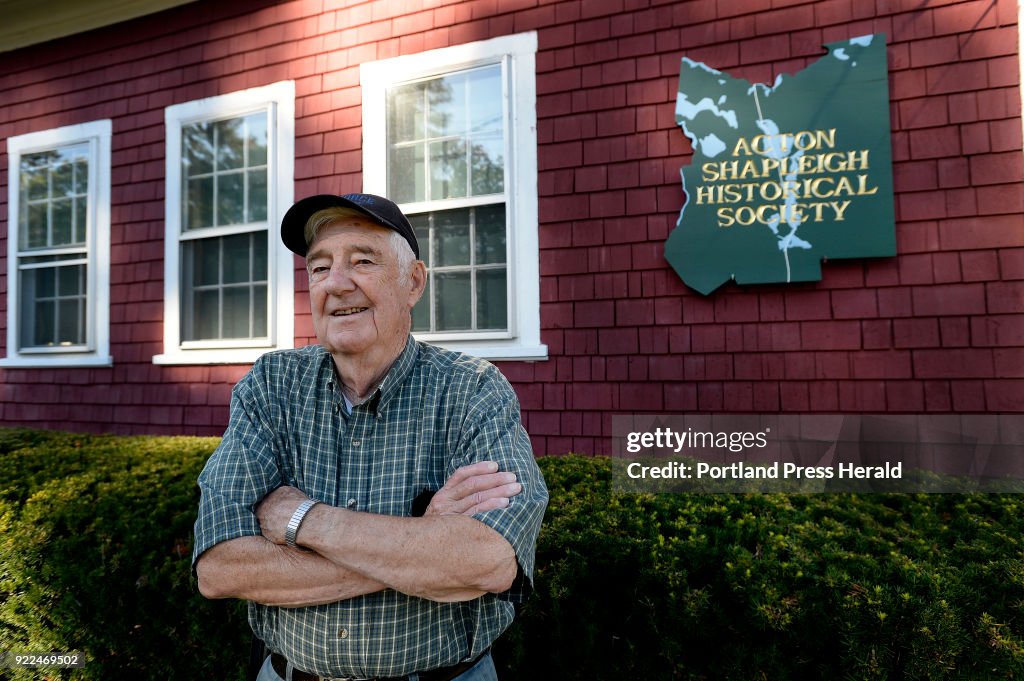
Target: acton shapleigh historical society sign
<point x="786" y="176"/>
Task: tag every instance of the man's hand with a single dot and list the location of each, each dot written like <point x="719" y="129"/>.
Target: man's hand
<point x="276" y="510"/>
<point x="476" y="488"/>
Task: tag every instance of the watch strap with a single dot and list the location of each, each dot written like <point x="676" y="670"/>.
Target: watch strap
<point x="292" y="530"/>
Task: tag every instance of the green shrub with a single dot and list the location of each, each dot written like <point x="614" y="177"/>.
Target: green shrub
<point x="769" y="586"/>
<point x="95" y="556"/>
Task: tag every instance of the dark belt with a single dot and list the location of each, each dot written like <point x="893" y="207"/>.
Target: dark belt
<point x="280" y="665"/>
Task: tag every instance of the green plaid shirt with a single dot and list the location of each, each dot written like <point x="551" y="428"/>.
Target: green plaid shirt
<point x="434" y="412"/>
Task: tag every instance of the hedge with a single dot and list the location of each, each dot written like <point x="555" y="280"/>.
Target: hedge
<point x="95" y="557"/>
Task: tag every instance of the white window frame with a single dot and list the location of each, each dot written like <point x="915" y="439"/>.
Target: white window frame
<point x="96" y="351"/>
<point x="518" y="52"/>
<point x="279" y="99"/>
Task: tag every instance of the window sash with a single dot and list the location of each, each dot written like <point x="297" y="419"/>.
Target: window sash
<point x="471" y="129"/>
<point x="475" y="266"/>
<point x="214" y="176"/>
<point x="55" y="317"/>
<point x="212" y="302"/>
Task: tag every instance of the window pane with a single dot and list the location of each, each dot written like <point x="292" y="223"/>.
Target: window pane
<point x="197" y="149"/>
<point x="259" y="256"/>
<point x="405" y="174"/>
<point x="199" y="203"/>
<point x="453" y="301"/>
<point x="35" y="236"/>
<point x="230" y="199"/>
<point x="80" y="220"/>
<point x="257" y="195"/>
<point x="257" y="139"/>
<point x="236" y="258"/>
<point x="405" y="113"/>
<point x="448" y="170"/>
<point x="230" y="144"/>
<point x="446" y="100"/>
<point x="62" y="228"/>
<point x="485" y="99"/>
<point x="44" y="330"/>
<point x="487" y="165"/>
<point x="490" y="234"/>
<point x="35" y="176"/>
<point x="82" y="175"/>
<point x="451" y="231"/>
<point x="71" y="280"/>
<point x="205" y="315"/>
<point x="45" y="281"/>
<point x="63" y="181"/>
<point x="237" y="304"/>
<point x="491" y="289"/>
<point x="203" y="261"/>
<point x="68" y="331"/>
<point x="259" y="311"/>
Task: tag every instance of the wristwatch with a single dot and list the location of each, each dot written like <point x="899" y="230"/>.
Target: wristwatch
<point x="292" y="530"/>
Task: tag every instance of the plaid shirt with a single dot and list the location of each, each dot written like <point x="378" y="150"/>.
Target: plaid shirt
<point x="434" y="412"/>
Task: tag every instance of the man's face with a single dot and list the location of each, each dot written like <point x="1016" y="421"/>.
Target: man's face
<point x="358" y="294"/>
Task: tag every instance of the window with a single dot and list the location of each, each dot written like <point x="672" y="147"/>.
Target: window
<point x="450" y="135"/>
<point x="229" y="281"/>
<point x="58" y="247"/>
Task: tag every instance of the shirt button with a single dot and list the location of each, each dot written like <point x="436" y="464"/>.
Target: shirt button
<point x="351" y="503"/>
<point x="343" y="633"/>
<point x="356" y="443"/>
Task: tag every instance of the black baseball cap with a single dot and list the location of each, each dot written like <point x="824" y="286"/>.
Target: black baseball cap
<point x="382" y="211"/>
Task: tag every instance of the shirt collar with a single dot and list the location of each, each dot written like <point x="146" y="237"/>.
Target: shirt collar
<point x="398" y="373"/>
<point x="392" y="381"/>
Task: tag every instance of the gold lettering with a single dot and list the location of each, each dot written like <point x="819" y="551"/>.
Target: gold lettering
<point x="837" y="167"/>
<point x="843" y="187"/>
<point x="745" y="216"/>
<point x="773" y="195"/>
<point x="839" y="208"/>
<point x="741" y="146"/>
<point x="817" y="193"/>
<point x="857" y="160"/>
<point x="725" y="218"/>
<point x="862" y="189"/>
<point x="761" y="211"/>
<point x="817" y="207"/>
<point x="727" y="170"/>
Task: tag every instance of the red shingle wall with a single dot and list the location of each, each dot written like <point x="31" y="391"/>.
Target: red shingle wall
<point x="938" y="328"/>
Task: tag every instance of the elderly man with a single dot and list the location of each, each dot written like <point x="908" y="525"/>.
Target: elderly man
<point x="374" y="498"/>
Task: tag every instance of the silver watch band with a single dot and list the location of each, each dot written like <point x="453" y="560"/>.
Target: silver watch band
<point x="292" y="530"/>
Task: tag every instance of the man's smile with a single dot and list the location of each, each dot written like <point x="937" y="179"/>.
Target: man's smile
<point x="348" y="311"/>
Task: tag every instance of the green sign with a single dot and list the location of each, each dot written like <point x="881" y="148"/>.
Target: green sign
<point x="785" y="176"/>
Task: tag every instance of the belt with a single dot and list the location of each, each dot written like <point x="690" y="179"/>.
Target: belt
<point x="280" y="665"/>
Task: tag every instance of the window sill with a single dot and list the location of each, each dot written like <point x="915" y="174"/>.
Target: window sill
<point x="53" y="361"/>
<point x="496" y="352"/>
<point x="213" y="356"/>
